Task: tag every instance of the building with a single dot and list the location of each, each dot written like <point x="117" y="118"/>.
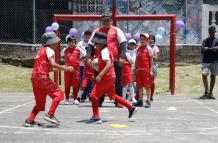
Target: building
<point x="24" y="21"/>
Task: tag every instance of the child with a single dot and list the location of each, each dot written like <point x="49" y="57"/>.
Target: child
<point x="82" y="45"/>
<point x="128" y="70"/>
<point x="88" y="75"/>
<point x="42" y="84"/>
<point x="155" y="50"/>
<point x="72" y="56"/>
<point x="144" y="60"/>
<point x="105" y="80"/>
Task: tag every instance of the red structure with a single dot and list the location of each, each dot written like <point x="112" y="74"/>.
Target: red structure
<point x="62" y="17"/>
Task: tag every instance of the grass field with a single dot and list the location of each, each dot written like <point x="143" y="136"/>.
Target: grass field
<point x="188" y="79"/>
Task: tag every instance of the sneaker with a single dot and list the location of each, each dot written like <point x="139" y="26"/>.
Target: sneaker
<point x="205" y="96"/>
<point x="94" y="120"/>
<point x="147" y="104"/>
<point x="51" y="119"/>
<point x="134" y="100"/>
<point x="31" y="123"/>
<point x="132" y="111"/>
<point x="67" y="102"/>
<point x="211" y="96"/>
<point x="139" y="103"/>
<point x="76" y="102"/>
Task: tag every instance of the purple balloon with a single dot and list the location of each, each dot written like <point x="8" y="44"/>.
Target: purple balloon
<point x="180" y="25"/>
<point x="137" y="37"/>
<point x="128" y="36"/>
<point x="48" y="29"/>
<point x="73" y="32"/>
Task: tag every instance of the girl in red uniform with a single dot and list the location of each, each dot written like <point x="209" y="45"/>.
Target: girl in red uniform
<point x="42" y="84"/>
<point x="105" y="80"/>
<point x="144" y="60"/>
<point x="72" y="56"/>
<point x="155" y="50"/>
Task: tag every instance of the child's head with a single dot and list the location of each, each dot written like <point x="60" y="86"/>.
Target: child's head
<point x="144" y="39"/>
<point x="151" y="39"/>
<point x="100" y="40"/>
<point x="87" y="34"/>
<point x="132" y="44"/>
<point x="71" y="41"/>
<point x="50" y="39"/>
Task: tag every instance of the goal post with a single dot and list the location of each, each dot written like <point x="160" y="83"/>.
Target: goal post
<point x="172" y="18"/>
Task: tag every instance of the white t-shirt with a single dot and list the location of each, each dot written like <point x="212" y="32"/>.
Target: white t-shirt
<point x="49" y="52"/>
<point x="131" y="56"/>
<point x="82" y="46"/>
<point x="120" y="36"/>
<point x="155" y="49"/>
<point x="150" y="50"/>
<point x="105" y="54"/>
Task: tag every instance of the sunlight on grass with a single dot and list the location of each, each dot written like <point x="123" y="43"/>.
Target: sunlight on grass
<point x="188" y="79"/>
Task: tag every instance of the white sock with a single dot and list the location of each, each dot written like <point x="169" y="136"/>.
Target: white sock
<point x="124" y="91"/>
<point x="80" y="93"/>
<point x="132" y="95"/>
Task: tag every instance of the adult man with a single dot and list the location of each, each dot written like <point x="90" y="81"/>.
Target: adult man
<point x="209" y="63"/>
<point x="116" y="43"/>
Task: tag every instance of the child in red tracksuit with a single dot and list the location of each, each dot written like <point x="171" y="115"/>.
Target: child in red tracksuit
<point x="42" y="84"/>
<point x="144" y="60"/>
<point x="72" y="56"/>
<point x="105" y="80"/>
<point x="88" y="75"/>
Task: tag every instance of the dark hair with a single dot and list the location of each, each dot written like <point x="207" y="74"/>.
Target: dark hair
<point x="70" y="39"/>
<point x="152" y="36"/>
<point x="212" y="30"/>
<point x="88" y="31"/>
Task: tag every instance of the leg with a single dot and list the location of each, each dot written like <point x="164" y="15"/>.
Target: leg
<point x="124" y="91"/>
<point x="212" y="82"/>
<point x="118" y="72"/>
<point x="205" y="82"/>
<point x="67" y="84"/>
<point x="152" y="91"/>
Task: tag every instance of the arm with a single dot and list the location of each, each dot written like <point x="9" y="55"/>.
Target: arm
<point x="104" y="71"/>
<point x="59" y="67"/>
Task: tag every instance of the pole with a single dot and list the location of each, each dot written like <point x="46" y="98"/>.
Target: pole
<point x="34" y="21"/>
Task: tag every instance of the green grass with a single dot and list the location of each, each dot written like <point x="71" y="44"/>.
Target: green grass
<point x="188" y="79"/>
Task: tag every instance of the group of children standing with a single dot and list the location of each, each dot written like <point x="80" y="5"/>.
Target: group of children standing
<point x="139" y="70"/>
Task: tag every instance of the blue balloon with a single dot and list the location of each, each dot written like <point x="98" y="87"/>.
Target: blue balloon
<point x="55" y="26"/>
<point x="161" y="30"/>
<point x="158" y="38"/>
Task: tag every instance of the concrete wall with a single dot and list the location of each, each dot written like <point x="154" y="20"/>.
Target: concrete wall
<point x="23" y="54"/>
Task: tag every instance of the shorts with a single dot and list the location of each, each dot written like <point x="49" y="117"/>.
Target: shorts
<point x="126" y="79"/>
<point x="104" y="86"/>
<point x="143" y="79"/>
<point x="211" y="68"/>
<point x="43" y="87"/>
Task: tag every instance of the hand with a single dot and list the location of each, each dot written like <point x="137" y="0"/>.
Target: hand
<point x="121" y="61"/>
<point x="98" y="78"/>
<point x="151" y="73"/>
<point x="89" y="62"/>
<point x="69" y="68"/>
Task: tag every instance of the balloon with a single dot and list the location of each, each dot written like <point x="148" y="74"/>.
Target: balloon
<point x="137" y="37"/>
<point x="161" y="30"/>
<point x="128" y="36"/>
<point x="48" y="29"/>
<point x="158" y="38"/>
<point x="55" y="26"/>
<point x="73" y="32"/>
<point x="180" y="25"/>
